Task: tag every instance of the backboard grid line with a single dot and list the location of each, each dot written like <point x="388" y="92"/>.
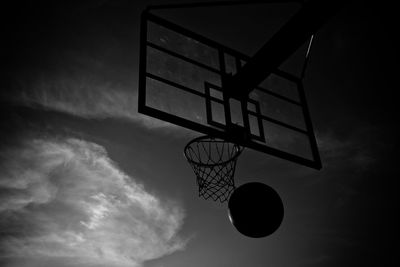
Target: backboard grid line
<point x="194" y="62"/>
<point x="181" y="87"/>
<point x="278" y="96"/>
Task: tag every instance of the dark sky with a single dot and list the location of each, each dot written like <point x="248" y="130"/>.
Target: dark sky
<point x="87" y="181"/>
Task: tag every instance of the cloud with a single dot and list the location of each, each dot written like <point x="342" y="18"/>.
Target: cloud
<point x="65" y="199"/>
<point x="349" y="161"/>
<point x="357" y="149"/>
<point x="86" y="94"/>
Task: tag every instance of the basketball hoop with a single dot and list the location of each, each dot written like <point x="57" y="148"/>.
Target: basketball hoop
<point x="213" y="161"/>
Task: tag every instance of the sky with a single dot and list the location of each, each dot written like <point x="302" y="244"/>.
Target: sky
<point x="85" y="180"/>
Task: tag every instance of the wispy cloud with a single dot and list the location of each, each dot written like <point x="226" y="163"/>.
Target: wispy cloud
<point x="87" y="94"/>
<point x="356" y="151"/>
<point x="65" y="199"/>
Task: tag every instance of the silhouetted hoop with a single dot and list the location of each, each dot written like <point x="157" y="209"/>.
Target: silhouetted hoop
<point x="213" y="161"/>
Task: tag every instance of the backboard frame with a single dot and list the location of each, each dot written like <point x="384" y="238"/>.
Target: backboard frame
<point x="230" y="131"/>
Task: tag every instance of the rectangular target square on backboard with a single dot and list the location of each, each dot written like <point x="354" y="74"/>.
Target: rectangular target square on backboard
<point x="215" y="108"/>
<point x="255" y="120"/>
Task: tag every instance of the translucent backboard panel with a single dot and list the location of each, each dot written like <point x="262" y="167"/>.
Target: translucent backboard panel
<point x="182" y="80"/>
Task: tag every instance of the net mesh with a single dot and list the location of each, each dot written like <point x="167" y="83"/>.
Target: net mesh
<point x="213" y="162"/>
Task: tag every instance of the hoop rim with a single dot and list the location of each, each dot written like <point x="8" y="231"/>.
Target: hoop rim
<point x="205" y="137"/>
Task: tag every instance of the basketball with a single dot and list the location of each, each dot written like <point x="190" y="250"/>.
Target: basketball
<point x="255" y="210"/>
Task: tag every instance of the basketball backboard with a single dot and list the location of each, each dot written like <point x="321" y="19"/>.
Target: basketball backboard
<point x="189" y="80"/>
